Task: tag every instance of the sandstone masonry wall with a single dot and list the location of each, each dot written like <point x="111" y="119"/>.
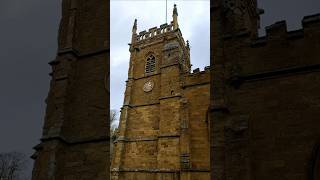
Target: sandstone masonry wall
<point x="264" y="101"/>
<point x="75" y="140"/>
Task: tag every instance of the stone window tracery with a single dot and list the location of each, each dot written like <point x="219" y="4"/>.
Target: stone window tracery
<point x="150" y="64"/>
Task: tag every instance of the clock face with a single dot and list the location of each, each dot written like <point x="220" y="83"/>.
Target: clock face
<point x="148" y="86"/>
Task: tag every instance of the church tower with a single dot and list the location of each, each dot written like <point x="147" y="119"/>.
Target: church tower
<point x="75" y="139"/>
<point x="155" y="140"/>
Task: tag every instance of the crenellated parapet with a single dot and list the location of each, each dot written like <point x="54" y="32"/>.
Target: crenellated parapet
<point x="197" y="77"/>
<point x="164" y="28"/>
<point x="279" y="52"/>
<point x="310" y="20"/>
<point x="279" y="30"/>
<point x="155" y="31"/>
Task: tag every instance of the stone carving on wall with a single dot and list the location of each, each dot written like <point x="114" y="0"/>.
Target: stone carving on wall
<point x="236" y="127"/>
<point x="235" y="12"/>
<point x="234" y="6"/>
<point x="234" y="75"/>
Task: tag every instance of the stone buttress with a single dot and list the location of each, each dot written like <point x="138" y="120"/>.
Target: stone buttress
<point x="75" y="139"/>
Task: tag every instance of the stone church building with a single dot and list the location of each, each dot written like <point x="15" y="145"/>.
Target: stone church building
<point x="252" y="115"/>
<point x="163" y="131"/>
<point x="265" y="96"/>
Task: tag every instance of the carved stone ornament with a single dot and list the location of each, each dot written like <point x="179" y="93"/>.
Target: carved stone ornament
<point x="236" y="7"/>
<point x="148" y="86"/>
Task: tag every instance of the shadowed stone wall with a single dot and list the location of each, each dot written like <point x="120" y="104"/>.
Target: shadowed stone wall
<point x="264" y="100"/>
<point x="75" y="141"/>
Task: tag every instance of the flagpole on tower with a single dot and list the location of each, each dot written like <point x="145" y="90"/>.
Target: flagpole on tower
<point x="166" y="10"/>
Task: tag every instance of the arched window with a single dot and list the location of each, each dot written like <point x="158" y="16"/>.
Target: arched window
<point x="150" y="64"/>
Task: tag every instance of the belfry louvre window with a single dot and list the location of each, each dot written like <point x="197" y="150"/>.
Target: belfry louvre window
<point x="150" y="64"/>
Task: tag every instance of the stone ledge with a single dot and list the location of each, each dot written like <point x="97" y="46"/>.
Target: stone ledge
<point x="151" y="138"/>
<point x="168" y="97"/>
<point x="275" y="74"/>
<point x="80" y="55"/>
<point x="195" y="84"/>
<point x="169" y="136"/>
<point x="159" y="170"/>
<point x="75" y="142"/>
<point x="137" y="139"/>
<point x="146" y="76"/>
<point x="140" y="105"/>
<point x="311" y="19"/>
<point x="169" y="65"/>
<point x="219" y="107"/>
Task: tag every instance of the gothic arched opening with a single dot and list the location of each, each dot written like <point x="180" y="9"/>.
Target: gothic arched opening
<point x="150" y="64"/>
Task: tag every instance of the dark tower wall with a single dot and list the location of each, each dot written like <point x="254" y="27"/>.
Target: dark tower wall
<point x="238" y="16"/>
<point x="264" y="101"/>
<point x="75" y="141"/>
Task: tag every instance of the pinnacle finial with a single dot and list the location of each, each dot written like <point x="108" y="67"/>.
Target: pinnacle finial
<point x="134" y="32"/>
<point x="134" y="28"/>
<point x="175" y="10"/>
<point x="175" y="17"/>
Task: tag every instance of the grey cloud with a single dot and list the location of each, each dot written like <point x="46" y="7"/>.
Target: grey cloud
<point x="290" y="10"/>
<point x="28" y="36"/>
<point x="28" y="41"/>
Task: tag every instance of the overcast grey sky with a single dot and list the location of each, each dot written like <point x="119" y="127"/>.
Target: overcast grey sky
<point x="28" y="41"/>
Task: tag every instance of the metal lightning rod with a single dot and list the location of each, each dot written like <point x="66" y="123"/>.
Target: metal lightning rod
<point x="166" y="10"/>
